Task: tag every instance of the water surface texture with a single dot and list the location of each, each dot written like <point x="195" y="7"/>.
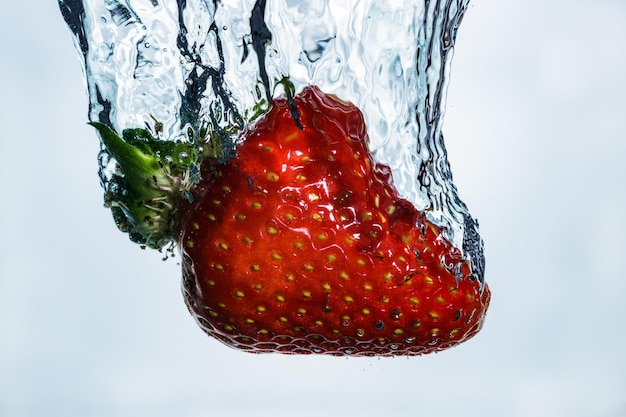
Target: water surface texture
<point x="173" y="66"/>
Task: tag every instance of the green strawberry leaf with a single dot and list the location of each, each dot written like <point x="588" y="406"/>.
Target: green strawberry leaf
<point x="156" y="174"/>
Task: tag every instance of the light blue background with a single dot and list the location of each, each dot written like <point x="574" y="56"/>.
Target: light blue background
<point x="90" y="325"/>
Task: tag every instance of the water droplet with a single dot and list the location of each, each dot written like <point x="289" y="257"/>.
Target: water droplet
<point x="168" y="159"/>
<point x="379" y="325"/>
<point x="395" y="314"/>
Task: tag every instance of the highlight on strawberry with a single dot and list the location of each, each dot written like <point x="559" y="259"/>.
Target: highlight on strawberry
<point x="299" y="243"/>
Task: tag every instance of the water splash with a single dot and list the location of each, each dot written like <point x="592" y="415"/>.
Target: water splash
<point x="172" y="66"/>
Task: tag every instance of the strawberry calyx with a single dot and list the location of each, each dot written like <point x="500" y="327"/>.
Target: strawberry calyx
<point x="155" y="176"/>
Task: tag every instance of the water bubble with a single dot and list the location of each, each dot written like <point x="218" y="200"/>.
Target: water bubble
<point x="470" y="317"/>
<point x="457" y="315"/>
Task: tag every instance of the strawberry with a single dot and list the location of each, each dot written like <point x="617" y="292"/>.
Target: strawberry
<point x="301" y="244"/>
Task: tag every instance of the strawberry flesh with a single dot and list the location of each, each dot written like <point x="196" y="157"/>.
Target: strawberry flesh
<point x="301" y="244"/>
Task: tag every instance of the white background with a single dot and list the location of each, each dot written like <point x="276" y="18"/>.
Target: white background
<point x="90" y="325"/>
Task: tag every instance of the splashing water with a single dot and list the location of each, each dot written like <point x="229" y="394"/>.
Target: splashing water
<point x="173" y="65"/>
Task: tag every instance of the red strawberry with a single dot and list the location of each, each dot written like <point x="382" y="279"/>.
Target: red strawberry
<point x="300" y="244"/>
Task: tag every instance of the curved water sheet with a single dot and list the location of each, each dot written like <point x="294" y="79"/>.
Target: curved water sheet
<point x="171" y="66"/>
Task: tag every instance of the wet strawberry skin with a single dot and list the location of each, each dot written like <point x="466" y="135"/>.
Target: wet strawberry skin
<point x="300" y="244"/>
